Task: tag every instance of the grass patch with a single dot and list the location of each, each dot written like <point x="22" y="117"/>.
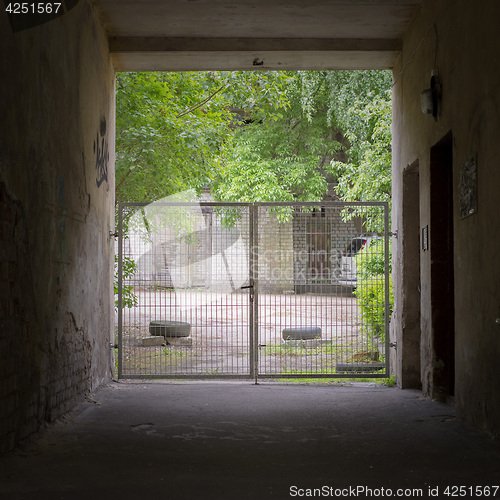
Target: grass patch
<point x="154" y="360"/>
<point x="388" y="382"/>
<point x="303" y="348"/>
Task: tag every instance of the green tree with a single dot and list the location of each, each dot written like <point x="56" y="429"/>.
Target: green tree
<point x="165" y="142"/>
<point x="325" y="128"/>
<point x="283" y="150"/>
<point x="255" y="136"/>
<point x="366" y="176"/>
<point x="174" y="131"/>
<point x="364" y="114"/>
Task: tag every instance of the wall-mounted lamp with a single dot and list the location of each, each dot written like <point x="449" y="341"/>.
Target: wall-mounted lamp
<point x="431" y="97"/>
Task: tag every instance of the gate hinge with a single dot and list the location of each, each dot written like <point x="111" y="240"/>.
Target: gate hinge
<point x="393" y="345"/>
<point x="395" y="234"/>
<point x="114" y="235"/>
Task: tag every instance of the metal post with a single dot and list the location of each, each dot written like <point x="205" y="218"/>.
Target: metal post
<point x="255" y="282"/>
<point x="251" y="294"/>
<point x="387" y="312"/>
<point x="120" y="285"/>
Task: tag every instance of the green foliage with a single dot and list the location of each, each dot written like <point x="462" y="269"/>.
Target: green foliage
<point x="370" y="290"/>
<point x="129" y="267"/>
<point x="370" y="261"/>
<point x="174" y="130"/>
<point x="367" y="174"/>
<point x="164" y="142"/>
<point x="389" y="382"/>
<point x="371" y="300"/>
<point x="320" y="128"/>
<point x="283" y="150"/>
<point x="358" y="107"/>
<point x="254" y="136"/>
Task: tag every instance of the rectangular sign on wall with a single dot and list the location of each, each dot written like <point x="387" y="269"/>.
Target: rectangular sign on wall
<point x="425" y="238"/>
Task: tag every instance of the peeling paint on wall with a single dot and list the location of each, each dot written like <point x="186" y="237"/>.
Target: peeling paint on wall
<point x="468" y="188"/>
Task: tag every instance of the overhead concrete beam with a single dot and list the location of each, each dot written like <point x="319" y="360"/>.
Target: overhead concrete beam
<point x="190" y="44"/>
<point x="196" y="54"/>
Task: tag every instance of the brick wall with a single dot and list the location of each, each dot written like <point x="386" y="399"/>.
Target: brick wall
<point x="18" y="345"/>
<point x="40" y="379"/>
<point x="56" y="213"/>
<point x="338" y="234"/>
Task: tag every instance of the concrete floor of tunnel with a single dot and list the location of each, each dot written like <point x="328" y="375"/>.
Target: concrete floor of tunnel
<point x="237" y="440"/>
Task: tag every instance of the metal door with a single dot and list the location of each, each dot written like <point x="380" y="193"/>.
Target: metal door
<point x="310" y="321"/>
<point x="192" y="315"/>
<point x="253" y="290"/>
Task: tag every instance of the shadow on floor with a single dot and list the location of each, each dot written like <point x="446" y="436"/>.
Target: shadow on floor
<point x="236" y="440"/>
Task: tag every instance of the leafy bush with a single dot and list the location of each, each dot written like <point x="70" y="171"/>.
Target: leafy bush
<point x="129" y="267"/>
<point x="370" y="261"/>
<point x="370" y="290"/>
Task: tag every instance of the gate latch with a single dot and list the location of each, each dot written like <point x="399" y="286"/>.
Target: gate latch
<point x="248" y="287"/>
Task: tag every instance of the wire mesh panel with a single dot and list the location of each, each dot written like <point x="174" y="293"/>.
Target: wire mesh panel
<point x="273" y="290"/>
<point x="185" y="275"/>
<point x="321" y="290"/>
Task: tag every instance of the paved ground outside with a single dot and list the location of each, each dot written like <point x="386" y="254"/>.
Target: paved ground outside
<point x="221" y="331"/>
<point x="237" y="440"/>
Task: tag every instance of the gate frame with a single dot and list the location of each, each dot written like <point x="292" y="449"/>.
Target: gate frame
<point x="253" y="215"/>
<point x="255" y="268"/>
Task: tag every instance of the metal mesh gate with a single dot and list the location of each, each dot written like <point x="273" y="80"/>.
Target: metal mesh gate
<point x="192" y="314"/>
<point x="248" y="290"/>
<point x="317" y="314"/>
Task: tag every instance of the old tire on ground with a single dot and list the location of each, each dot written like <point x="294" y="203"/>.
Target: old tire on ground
<point x="170" y="328"/>
<point x="302" y="333"/>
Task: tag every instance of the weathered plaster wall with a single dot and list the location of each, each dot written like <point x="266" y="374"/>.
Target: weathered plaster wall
<point x="56" y="211"/>
<point x="463" y="45"/>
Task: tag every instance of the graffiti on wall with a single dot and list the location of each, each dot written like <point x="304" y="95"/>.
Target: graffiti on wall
<point x="101" y="152"/>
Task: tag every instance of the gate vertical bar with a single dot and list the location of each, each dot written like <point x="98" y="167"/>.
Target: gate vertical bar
<point x="120" y="289"/>
<point x="251" y="311"/>
<point x="255" y="282"/>
<point x="387" y="310"/>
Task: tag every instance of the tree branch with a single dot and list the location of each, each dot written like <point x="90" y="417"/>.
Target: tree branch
<point x="196" y="106"/>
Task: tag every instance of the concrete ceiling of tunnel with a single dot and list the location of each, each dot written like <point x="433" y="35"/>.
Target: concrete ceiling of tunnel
<point x="183" y="35"/>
